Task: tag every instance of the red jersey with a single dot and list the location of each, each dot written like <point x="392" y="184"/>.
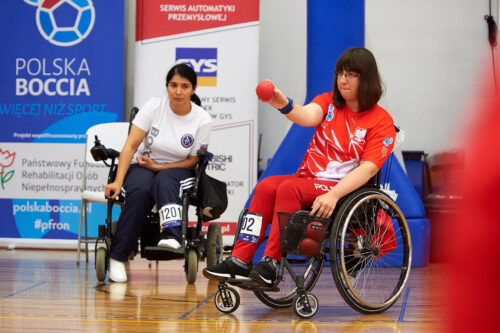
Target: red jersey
<point x="345" y="138"/>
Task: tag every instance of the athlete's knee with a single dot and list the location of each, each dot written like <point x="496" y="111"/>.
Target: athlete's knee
<point x="289" y="188"/>
<point x="140" y="193"/>
<point x="266" y="186"/>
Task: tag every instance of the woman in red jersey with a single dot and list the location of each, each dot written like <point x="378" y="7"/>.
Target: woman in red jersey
<point x="353" y="138"/>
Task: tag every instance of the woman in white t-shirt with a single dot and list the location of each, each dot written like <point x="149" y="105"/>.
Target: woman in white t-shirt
<point x="156" y="165"/>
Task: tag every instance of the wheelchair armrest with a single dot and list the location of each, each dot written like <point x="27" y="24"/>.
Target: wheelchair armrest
<point x="205" y="157"/>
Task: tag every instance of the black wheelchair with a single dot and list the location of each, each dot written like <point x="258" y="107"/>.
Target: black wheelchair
<point x="366" y="242"/>
<point x="195" y="245"/>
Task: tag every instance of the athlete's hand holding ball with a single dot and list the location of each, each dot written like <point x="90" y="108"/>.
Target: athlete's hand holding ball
<point x="267" y="92"/>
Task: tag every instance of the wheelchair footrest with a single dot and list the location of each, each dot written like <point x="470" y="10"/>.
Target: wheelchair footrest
<point x="162" y="253"/>
<point x="251" y="285"/>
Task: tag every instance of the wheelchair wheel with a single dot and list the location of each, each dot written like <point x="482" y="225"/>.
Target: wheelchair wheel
<point x="371" y="251"/>
<point x="284" y="298"/>
<point x="214" y="244"/>
<point x="100" y="264"/>
<point x="305" y="306"/>
<point x="191" y="265"/>
<point x="227" y="300"/>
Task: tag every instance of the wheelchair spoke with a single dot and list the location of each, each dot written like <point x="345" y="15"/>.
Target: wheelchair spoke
<point x="373" y="253"/>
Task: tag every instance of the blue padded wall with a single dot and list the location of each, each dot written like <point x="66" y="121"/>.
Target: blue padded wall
<point x="415" y="171"/>
<point x="408" y="199"/>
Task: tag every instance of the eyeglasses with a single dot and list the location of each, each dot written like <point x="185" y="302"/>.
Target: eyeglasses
<point x="347" y="75"/>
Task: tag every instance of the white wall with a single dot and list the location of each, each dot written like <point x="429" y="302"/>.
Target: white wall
<point x="430" y="53"/>
<point x="282" y="59"/>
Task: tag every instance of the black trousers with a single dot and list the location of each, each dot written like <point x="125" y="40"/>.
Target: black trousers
<point x="143" y="188"/>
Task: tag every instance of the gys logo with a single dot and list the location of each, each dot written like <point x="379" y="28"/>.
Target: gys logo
<point x="6" y="160"/>
<point x="64" y="22"/>
<point x="202" y="60"/>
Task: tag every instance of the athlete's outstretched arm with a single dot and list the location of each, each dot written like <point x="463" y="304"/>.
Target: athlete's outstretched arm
<point x="309" y="115"/>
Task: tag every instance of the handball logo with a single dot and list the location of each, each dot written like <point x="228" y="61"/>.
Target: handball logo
<point x="64" y="22"/>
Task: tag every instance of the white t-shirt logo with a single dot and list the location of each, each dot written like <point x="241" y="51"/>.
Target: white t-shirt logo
<point x="187" y="140"/>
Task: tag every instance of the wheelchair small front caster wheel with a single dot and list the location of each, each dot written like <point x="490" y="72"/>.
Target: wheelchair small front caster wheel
<point x="191" y="265"/>
<point x="227" y="300"/>
<point x="100" y="264"/>
<point x="305" y="305"/>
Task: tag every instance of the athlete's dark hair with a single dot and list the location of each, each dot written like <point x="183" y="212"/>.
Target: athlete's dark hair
<point x="195" y="99"/>
<point x="184" y="71"/>
<point x="359" y="60"/>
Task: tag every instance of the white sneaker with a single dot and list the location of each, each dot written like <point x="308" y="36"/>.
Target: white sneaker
<point x="170" y="243"/>
<point x="117" y="272"/>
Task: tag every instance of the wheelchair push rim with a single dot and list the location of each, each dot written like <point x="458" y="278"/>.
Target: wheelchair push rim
<point x="371" y="251"/>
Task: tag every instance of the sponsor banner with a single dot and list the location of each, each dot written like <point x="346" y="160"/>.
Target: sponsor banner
<point x="32" y="175"/>
<point x="46" y="171"/>
<point x="62" y="74"/>
<point x="64" y="69"/>
<point x="49" y="219"/>
<point x="224" y="55"/>
<point x="164" y="19"/>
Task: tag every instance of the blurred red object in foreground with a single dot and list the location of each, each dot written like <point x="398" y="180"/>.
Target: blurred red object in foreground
<point x="473" y="277"/>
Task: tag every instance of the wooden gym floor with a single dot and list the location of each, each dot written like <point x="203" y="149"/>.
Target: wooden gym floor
<point x="45" y="291"/>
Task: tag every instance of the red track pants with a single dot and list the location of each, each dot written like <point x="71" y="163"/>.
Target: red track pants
<point x="288" y="193"/>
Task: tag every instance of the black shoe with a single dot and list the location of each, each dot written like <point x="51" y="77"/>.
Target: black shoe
<point x="228" y="269"/>
<point x="264" y="272"/>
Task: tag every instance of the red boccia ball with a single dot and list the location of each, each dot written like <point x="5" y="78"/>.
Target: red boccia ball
<point x="315" y="230"/>
<point x="265" y="90"/>
<point x="308" y="247"/>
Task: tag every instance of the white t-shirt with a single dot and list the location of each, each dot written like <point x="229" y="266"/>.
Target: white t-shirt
<point x="171" y="138"/>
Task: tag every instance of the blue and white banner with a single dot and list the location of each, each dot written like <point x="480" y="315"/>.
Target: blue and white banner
<point x="62" y="72"/>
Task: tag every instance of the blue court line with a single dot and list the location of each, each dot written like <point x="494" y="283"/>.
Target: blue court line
<point x="20" y="291"/>
<point x="197" y="306"/>
<point x="403" y="308"/>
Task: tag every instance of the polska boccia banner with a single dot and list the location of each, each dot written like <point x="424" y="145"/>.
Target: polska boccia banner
<point x="219" y="40"/>
<point x="62" y="72"/>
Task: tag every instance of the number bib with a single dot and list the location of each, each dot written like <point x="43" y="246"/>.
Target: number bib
<point x="250" y="228"/>
<point x="170" y="216"/>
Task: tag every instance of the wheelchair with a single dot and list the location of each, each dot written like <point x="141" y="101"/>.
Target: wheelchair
<point x="195" y="245"/>
<point x="366" y="242"/>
